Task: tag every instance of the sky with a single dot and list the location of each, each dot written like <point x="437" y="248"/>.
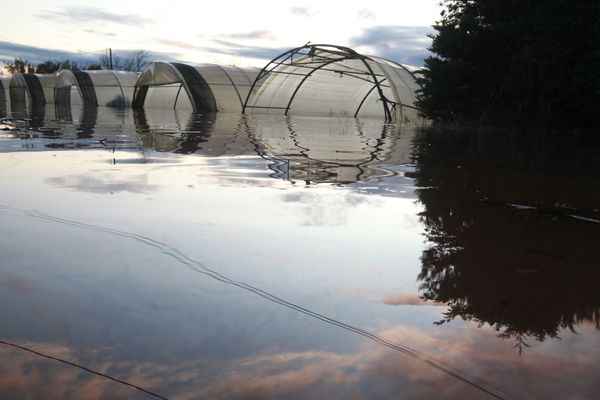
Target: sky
<point x="225" y="32"/>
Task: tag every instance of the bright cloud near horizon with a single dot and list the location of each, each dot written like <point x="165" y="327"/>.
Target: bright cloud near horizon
<point x="240" y="33"/>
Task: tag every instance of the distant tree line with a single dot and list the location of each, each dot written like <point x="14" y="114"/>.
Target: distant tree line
<point x="515" y="62"/>
<point x="134" y="61"/>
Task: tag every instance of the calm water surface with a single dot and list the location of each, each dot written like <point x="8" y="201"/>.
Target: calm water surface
<point x="168" y="255"/>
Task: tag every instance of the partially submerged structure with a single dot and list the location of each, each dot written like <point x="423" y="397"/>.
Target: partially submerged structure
<point x="32" y="90"/>
<point x="312" y="80"/>
<point x="329" y="80"/>
<point x="206" y="88"/>
<point x="95" y="88"/>
<point x="4" y="95"/>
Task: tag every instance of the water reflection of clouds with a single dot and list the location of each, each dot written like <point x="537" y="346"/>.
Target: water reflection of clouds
<point x="411" y="299"/>
<point x="369" y="370"/>
<point x="15" y="283"/>
<point x="329" y="208"/>
<point x="106" y="183"/>
<point x="347" y="249"/>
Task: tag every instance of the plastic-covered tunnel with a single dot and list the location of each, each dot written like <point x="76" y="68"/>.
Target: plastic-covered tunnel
<point x="4" y="96"/>
<point x="32" y="90"/>
<point x="330" y="80"/>
<point x="95" y="88"/>
<point x="206" y="88"/>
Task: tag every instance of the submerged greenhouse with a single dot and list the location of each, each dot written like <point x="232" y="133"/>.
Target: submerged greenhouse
<point x="312" y="80"/>
<point x="203" y="88"/>
<point x="96" y="88"/>
<point x="32" y="90"/>
<point x="4" y="95"/>
<point x="329" y="80"/>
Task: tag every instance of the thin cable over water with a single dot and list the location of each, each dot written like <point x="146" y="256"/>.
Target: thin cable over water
<point x="112" y="378"/>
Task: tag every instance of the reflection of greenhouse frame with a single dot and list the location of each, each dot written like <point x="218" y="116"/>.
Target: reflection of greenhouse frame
<point x="320" y="57"/>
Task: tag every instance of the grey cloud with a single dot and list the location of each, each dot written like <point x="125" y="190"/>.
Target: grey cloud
<point x="227" y="48"/>
<point x="302" y="12"/>
<point x="237" y="49"/>
<point x="95" y="32"/>
<point x="406" y="44"/>
<point x="92" y="14"/>
<point x="9" y="51"/>
<point x="250" y="35"/>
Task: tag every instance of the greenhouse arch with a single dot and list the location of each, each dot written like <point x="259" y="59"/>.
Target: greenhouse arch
<point x="95" y="88"/>
<point x="35" y="90"/>
<point x="4" y="96"/>
<point x="331" y="80"/>
<point x="205" y="88"/>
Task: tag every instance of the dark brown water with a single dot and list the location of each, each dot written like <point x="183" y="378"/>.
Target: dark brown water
<point x="180" y="256"/>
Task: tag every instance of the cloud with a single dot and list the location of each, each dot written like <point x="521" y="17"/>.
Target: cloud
<point x="95" y="32"/>
<point x="253" y="35"/>
<point x="82" y="15"/>
<point x="177" y="43"/>
<point x="406" y="44"/>
<point x="367" y="370"/>
<point x="107" y="184"/>
<point x="365" y="13"/>
<point x="232" y="48"/>
<point x="406" y="299"/>
<point x="9" y="51"/>
<point x="327" y="209"/>
<point x="226" y="47"/>
<point x="302" y="12"/>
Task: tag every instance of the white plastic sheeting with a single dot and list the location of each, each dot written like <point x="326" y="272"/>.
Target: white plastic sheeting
<point x="204" y="88"/>
<point x="32" y="89"/>
<point x="312" y="80"/>
<point x="4" y="95"/>
<point x="326" y="80"/>
<point x="98" y="88"/>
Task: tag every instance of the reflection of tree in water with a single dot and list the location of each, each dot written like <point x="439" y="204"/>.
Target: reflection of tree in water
<point x="505" y="249"/>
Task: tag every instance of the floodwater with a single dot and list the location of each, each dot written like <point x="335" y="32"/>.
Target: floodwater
<point x="166" y="255"/>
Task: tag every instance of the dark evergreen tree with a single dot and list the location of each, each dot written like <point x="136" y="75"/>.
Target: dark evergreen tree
<point x="515" y="62"/>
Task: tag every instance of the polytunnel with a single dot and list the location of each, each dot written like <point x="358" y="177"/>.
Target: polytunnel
<point x="205" y="88"/>
<point x="34" y="90"/>
<point x="4" y="95"/>
<point x="330" y="80"/>
<point x="96" y="88"/>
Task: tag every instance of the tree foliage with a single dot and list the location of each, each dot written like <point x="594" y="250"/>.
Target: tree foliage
<point x="134" y="61"/>
<point x="50" y="67"/>
<point x="515" y="62"/>
<point x="19" y="65"/>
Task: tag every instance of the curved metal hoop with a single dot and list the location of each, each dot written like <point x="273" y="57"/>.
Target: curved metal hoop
<point x="315" y="57"/>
